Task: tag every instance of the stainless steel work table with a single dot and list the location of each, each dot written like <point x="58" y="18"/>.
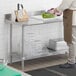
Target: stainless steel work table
<point x="31" y="22"/>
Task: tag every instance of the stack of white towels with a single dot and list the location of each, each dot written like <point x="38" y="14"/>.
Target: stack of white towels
<point x="57" y="44"/>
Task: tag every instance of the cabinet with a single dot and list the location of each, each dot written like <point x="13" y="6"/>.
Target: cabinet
<point x="35" y="35"/>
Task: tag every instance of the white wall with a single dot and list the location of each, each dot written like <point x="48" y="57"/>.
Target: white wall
<point x="8" y="6"/>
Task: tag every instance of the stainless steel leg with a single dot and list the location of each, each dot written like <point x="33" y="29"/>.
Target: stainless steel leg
<point x="23" y="47"/>
<point x="10" y="43"/>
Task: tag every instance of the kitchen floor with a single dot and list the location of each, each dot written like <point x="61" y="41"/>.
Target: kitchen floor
<point x="41" y="62"/>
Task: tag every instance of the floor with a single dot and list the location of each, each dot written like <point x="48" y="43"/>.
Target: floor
<point x="40" y="62"/>
<point x="42" y="72"/>
<point x="53" y="71"/>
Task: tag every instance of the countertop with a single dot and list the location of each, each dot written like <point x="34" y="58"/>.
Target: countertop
<point x="36" y="20"/>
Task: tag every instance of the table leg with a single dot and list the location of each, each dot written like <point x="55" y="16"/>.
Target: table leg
<point x="10" y="43"/>
<point x="22" y="47"/>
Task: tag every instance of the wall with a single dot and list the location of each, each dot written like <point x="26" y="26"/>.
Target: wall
<point x="8" y="6"/>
